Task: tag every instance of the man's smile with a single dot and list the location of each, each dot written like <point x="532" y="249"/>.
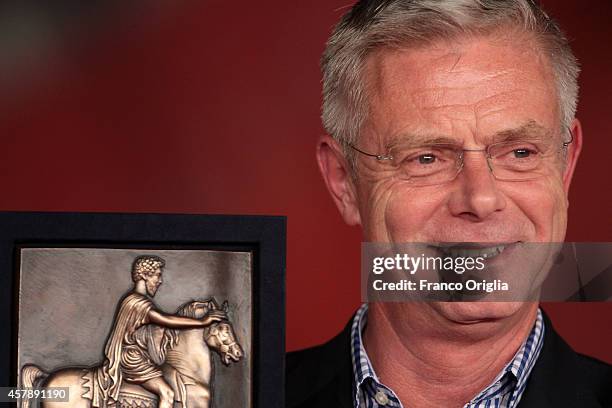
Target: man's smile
<point x="472" y="250"/>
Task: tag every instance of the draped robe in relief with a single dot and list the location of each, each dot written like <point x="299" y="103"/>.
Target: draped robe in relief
<point x="126" y="353"/>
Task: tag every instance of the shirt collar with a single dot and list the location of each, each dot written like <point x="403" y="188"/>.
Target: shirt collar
<point x="512" y="378"/>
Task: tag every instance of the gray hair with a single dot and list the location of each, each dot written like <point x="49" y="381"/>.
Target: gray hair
<point x="380" y="24"/>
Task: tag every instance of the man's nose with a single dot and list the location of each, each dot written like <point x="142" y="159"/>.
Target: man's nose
<point x="477" y="195"/>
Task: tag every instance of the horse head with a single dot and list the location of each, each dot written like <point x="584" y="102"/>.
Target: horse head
<point x="219" y="336"/>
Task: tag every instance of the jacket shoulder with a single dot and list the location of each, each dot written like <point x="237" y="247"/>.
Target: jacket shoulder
<point x="596" y="375"/>
<point x="563" y="378"/>
<point x="320" y="376"/>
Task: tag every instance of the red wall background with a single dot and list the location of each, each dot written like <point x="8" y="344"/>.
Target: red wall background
<point x="213" y="107"/>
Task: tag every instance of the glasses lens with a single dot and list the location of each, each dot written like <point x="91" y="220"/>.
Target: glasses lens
<point x="426" y="165"/>
<point x="519" y="160"/>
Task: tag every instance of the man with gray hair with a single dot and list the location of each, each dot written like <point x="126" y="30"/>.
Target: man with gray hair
<point x="449" y="121"/>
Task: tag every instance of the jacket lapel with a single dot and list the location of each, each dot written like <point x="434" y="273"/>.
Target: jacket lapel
<point x="554" y="381"/>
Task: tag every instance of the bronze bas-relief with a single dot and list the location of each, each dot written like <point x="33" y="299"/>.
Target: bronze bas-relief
<point x="150" y="358"/>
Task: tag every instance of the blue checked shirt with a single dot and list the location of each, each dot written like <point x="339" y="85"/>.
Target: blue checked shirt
<point x="504" y="392"/>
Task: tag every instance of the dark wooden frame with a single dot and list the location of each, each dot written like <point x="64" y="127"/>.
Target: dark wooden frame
<point x="265" y="236"/>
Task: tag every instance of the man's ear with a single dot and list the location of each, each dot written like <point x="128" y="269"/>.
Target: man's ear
<point x="336" y="173"/>
<point x="573" y="151"/>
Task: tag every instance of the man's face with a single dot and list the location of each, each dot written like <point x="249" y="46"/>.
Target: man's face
<point x="471" y="92"/>
<point x="153" y="282"/>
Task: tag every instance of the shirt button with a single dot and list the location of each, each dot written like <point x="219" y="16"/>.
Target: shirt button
<point x="381" y="398"/>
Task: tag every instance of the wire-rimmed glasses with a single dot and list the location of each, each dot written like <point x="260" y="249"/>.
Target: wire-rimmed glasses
<point x="511" y="160"/>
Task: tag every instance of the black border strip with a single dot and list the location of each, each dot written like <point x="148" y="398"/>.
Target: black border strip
<point x="264" y="235"/>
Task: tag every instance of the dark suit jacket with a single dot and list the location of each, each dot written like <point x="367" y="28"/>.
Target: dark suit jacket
<point x="322" y="376"/>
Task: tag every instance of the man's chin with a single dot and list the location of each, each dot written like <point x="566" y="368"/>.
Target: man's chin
<point x="477" y="312"/>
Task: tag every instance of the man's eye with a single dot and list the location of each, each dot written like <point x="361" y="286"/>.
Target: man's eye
<point x="426" y="158"/>
<point x="523" y="153"/>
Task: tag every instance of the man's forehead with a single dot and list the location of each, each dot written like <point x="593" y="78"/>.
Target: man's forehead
<point x="483" y="85"/>
<point x="463" y="73"/>
<point x="451" y="56"/>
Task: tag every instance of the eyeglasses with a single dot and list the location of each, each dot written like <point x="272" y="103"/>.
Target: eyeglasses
<point x="517" y="160"/>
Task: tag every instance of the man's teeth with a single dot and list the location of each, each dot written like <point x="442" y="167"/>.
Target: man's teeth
<point x="489" y="252"/>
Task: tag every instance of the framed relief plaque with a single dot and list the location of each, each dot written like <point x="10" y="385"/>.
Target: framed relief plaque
<point x="141" y="310"/>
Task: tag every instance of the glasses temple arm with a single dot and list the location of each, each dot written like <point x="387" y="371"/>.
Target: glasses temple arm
<point x="376" y="156"/>
<point x="565" y="144"/>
